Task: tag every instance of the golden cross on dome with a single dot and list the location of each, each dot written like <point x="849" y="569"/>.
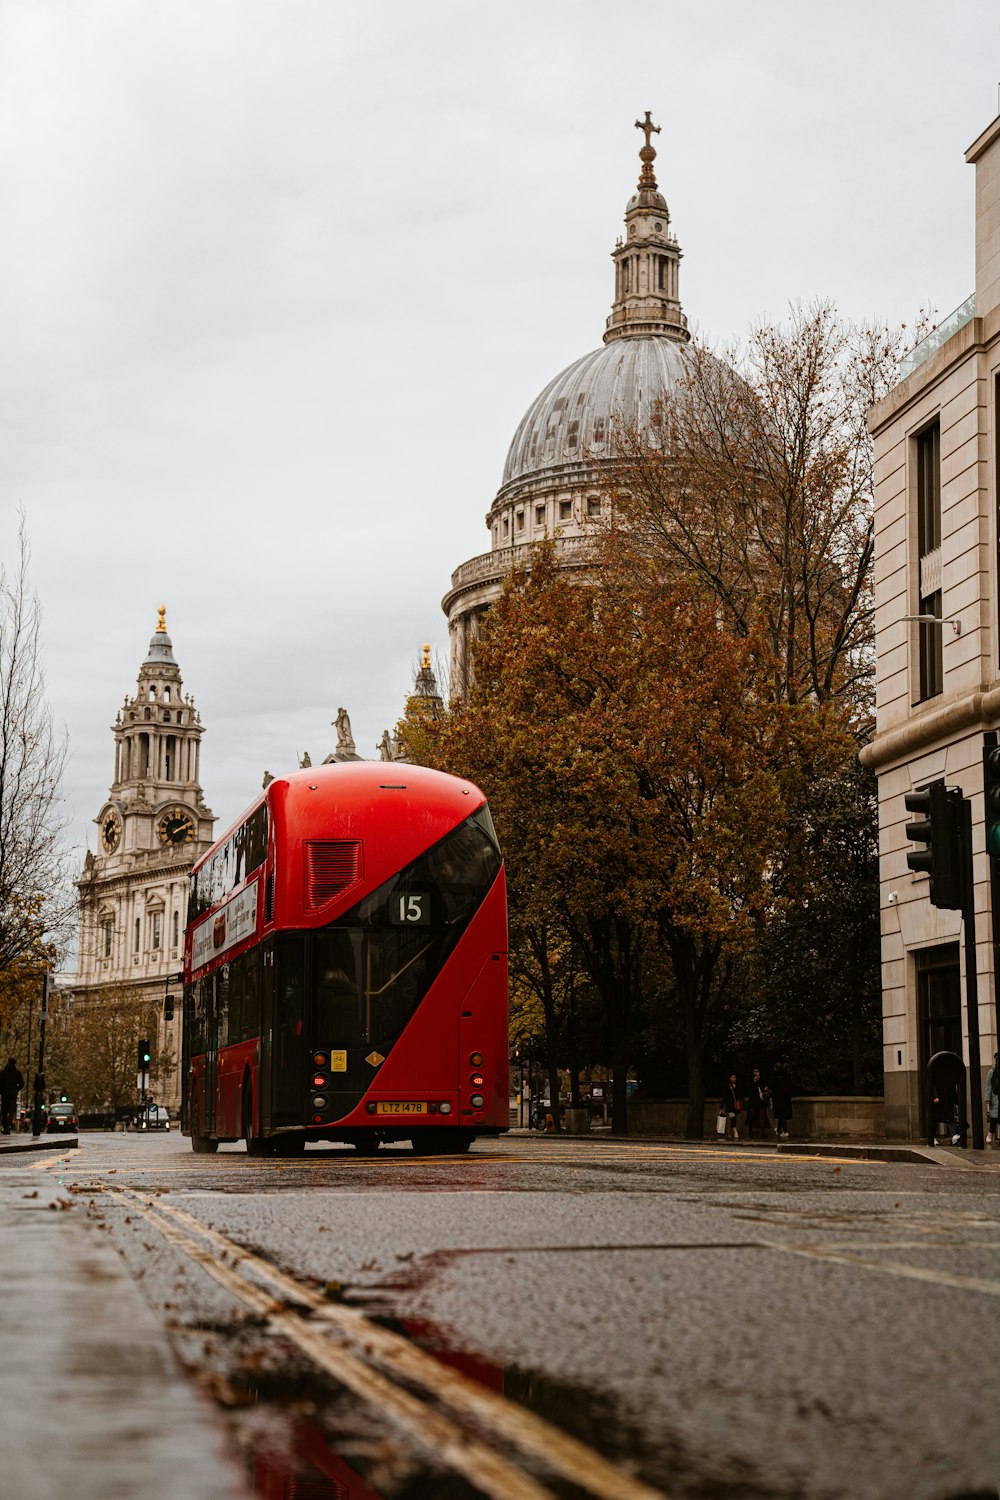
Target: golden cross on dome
<point x="161" y="624"/>
<point x="647" y="126"/>
<point x="647" y="153"/>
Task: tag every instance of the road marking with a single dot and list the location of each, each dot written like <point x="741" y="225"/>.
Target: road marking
<point x="574" y="1158"/>
<point x="400" y="1358"/>
<point x="891" y="1268"/>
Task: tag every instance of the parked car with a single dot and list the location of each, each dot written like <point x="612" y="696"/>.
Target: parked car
<point x="62" y="1119"/>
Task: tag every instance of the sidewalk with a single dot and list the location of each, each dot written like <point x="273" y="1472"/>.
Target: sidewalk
<point x="91" y="1398"/>
<point x="23" y="1142"/>
<point x="866" y="1150"/>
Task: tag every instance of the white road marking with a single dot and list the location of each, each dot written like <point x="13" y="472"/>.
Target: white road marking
<point x="890" y="1268"/>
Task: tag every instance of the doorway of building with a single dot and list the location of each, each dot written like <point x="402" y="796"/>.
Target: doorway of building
<point x="939" y="1011"/>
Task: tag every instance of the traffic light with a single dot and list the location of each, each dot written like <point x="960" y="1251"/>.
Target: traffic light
<point x="168" y="1007"/>
<point x="991" y="798"/>
<point x="145" y="1057"/>
<point x="940" y="829"/>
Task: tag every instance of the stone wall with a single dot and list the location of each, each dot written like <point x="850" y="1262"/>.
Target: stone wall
<point x="824" y="1118"/>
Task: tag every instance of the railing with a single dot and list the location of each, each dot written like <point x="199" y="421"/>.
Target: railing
<point x="963" y="314"/>
<point x="496" y="564"/>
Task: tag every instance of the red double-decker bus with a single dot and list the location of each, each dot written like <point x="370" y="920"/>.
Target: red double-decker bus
<point x="345" y="967"/>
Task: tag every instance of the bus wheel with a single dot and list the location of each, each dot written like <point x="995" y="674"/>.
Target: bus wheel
<point x="201" y="1145"/>
<point x="254" y="1147"/>
<point x="367" y="1145"/>
<point x="288" y="1145"/>
<point x="441" y="1142"/>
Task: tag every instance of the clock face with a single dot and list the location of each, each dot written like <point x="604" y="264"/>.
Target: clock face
<point x="175" y="827"/>
<point x="111" y="832"/>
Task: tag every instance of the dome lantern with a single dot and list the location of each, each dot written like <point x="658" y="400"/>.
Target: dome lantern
<point x="647" y="261"/>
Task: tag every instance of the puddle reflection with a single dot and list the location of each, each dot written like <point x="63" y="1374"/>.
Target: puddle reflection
<point x="312" y="1471"/>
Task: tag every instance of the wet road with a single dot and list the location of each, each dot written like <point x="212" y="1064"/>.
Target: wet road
<point x="567" y="1318"/>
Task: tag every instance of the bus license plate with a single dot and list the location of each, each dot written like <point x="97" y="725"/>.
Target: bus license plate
<point x="398" y="1108"/>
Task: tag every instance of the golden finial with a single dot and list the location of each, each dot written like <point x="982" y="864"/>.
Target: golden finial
<point x="425" y="665"/>
<point x="647" y="154"/>
<point x="161" y="624"/>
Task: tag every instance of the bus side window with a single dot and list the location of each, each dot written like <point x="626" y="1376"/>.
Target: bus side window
<point x="237" y="970"/>
<point x="222" y="1005"/>
<point x="251" y="995"/>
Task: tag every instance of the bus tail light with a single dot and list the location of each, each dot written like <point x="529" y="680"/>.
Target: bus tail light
<point x="320" y="1059"/>
<point x="320" y="1080"/>
<point x="477" y="1101"/>
<point x="445" y="1108"/>
<point x="475" y="1059"/>
<point x="477" y="1080"/>
<point x="319" y="1101"/>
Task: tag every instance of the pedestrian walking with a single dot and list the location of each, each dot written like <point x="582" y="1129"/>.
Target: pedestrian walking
<point x="758" y="1098"/>
<point x="11" y="1084"/>
<point x="781" y="1100"/>
<point x="731" y="1105"/>
<point x="993" y="1102"/>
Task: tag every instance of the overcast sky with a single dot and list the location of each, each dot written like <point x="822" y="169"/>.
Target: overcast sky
<point x="278" y="279"/>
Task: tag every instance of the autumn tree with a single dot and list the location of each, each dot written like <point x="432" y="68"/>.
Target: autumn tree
<point x="756" y="480"/>
<point x="638" y="776"/>
<point x="35" y="899"/>
<point x="813" y="983"/>
<point x="103" y="1035"/>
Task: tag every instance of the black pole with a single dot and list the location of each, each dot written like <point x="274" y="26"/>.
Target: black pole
<point x="36" y="1119"/>
<point x="971" y="986"/>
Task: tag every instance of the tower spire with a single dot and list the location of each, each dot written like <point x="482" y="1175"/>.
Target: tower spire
<point x="648" y="153"/>
<point x="647" y="260"/>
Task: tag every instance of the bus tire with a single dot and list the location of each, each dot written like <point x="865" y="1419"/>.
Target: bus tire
<point x="201" y="1145"/>
<point x="288" y="1145"/>
<point x="367" y="1145"/>
<point x="255" y="1147"/>
<point x="441" y="1142"/>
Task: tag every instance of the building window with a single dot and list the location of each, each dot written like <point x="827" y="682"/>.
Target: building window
<point x="593" y="508"/>
<point x="107" y="929"/>
<point x="539" y="515"/>
<point x="177" y="929"/>
<point x="565" y="510"/>
<point x="506" y="527"/>
<point x="138" y="934"/>
<point x="156" y="928"/>
<point x="519" y="520"/>
<point x="930" y="636"/>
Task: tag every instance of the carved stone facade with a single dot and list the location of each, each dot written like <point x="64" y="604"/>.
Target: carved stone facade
<point x="553" y="481"/>
<point x="937" y="618"/>
<point x="152" y="827"/>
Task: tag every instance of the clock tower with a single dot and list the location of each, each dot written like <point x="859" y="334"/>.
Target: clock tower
<point x="151" y="829"/>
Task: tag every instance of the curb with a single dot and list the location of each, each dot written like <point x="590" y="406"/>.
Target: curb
<point x="39" y="1143"/>
<point x="919" y="1155"/>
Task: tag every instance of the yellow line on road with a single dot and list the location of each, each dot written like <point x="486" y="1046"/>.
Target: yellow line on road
<point x="582" y="1465"/>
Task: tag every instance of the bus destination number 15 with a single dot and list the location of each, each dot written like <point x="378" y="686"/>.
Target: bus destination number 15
<point x="411" y="908"/>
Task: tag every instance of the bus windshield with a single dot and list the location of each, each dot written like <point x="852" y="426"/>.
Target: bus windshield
<point x="373" y="966"/>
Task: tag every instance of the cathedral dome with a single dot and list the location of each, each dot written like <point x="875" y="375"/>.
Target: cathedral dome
<point x="574" y="418"/>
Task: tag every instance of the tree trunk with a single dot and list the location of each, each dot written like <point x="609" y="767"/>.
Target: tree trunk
<point x="695" y="1127"/>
